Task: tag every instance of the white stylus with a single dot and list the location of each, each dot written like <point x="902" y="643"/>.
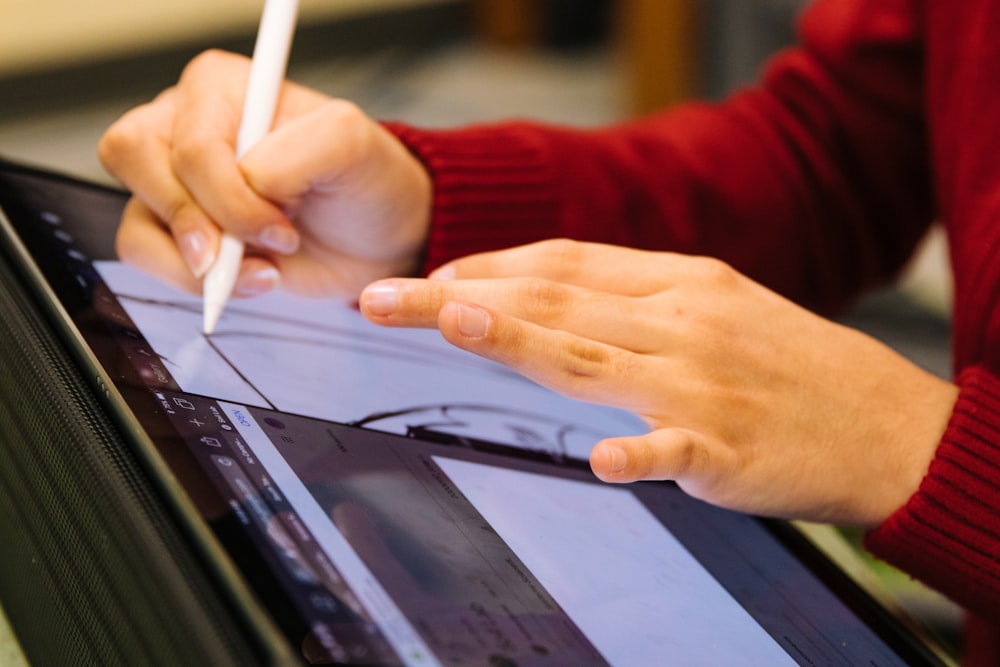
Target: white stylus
<point x="267" y="71"/>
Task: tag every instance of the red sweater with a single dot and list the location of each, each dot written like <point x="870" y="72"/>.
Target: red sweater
<point x="818" y="183"/>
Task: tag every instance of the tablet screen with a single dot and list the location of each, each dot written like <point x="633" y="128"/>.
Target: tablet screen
<point x="394" y="501"/>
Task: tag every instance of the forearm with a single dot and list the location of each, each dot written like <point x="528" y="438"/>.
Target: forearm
<point x="821" y="167"/>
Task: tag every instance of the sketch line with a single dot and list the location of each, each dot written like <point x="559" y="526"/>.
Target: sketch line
<point x="414" y="352"/>
<point x="239" y="373"/>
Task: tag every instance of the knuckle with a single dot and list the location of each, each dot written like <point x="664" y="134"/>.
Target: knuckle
<point x="547" y="300"/>
<point x="686" y="458"/>
<point x="429" y="296"/>
<point x="185" y="153"/>
<point x="690" y="457"/>
<point x="714" y="271"/>
<point x="585" y="360"/>
<point x="353" y="129"/>
<point x="122" y="139"/>
<point x="589" y="369"/>
<point x="567" y="255"/>
<point x="346" y="113"/>
<point x="181" y="216"/>
<point x="206" y="61"/>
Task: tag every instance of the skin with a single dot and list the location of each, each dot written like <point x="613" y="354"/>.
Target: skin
<point x="753" y="403"/>
<point x="359" y="200"/>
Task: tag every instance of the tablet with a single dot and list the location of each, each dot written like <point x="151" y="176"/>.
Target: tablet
<point x="387" y="499"/>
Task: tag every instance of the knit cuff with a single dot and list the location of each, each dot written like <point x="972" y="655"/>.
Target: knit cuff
<point x="493" y="188"/>
<point x="948" y="533"/>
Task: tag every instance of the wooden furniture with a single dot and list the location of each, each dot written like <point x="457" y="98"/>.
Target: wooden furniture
<point x="661" y="48"/>
<point x="659" y="41"/>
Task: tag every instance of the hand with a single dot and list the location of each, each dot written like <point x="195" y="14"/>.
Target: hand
<point x="754" y="403"/>
<point x="327" y="202"/>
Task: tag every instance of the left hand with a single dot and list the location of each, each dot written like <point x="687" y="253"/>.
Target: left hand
<point x="753" y="402"/>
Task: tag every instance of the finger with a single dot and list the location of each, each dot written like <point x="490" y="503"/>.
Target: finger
<point x="329" y="138"/>
<point x="682" y="455"/>
<point x="138" y="134"/>
<point x="136" y="152"/>
<point x="592" y="265"/>
<point x="145" y="243"/>
<point x="203" y="153"/>
<point x="343" y="161"/>
<point x="598" y="316"/>
<point x="412" y="302"/>
<point x="567" y="363"/>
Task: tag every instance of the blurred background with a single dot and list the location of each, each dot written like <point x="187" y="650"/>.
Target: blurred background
<point x="74" y="62"/>
<point x="69" y="69"/>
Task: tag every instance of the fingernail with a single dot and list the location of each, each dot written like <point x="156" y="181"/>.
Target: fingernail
<point x="257" y="282"/>
<point x="380" y="299"/>
<point x="472" y="322"/>
<point x="280" y="239"/>
<point x="194" y="249"/>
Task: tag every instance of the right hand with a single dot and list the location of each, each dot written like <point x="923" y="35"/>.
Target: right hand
<point x="326" y="203"/>
<point x="753" y="402"/>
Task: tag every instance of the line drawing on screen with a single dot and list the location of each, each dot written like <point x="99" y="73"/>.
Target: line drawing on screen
<point x="322" y="359"/>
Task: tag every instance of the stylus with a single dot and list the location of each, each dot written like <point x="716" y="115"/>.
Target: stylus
<point x="267" y="71"/>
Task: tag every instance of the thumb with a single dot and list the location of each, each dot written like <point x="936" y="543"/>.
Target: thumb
<point x="665" y="454"/>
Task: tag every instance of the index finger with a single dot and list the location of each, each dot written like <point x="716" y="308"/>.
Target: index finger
<point x="203" y="148"/>
<point x="595" y="266"/>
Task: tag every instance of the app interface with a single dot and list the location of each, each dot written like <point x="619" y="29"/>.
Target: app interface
<point x="402" y="552"/>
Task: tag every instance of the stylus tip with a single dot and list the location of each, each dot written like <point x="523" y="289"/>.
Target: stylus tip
<point x="210" y="318"/>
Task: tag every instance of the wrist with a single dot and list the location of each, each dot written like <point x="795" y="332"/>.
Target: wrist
<point x="914" y="436"/>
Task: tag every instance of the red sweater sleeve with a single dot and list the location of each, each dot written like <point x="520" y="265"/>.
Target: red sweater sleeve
<point x="817" y="183"/>
<point x="814" y="183"/>
<point x="948" y="534"/>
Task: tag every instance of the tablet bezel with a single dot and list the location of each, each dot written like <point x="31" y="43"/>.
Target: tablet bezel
<point x="172" y="470"/>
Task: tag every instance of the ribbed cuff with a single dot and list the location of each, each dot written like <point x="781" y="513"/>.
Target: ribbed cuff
<point x="948" y="534"/>
<point x="493" y="187"/>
